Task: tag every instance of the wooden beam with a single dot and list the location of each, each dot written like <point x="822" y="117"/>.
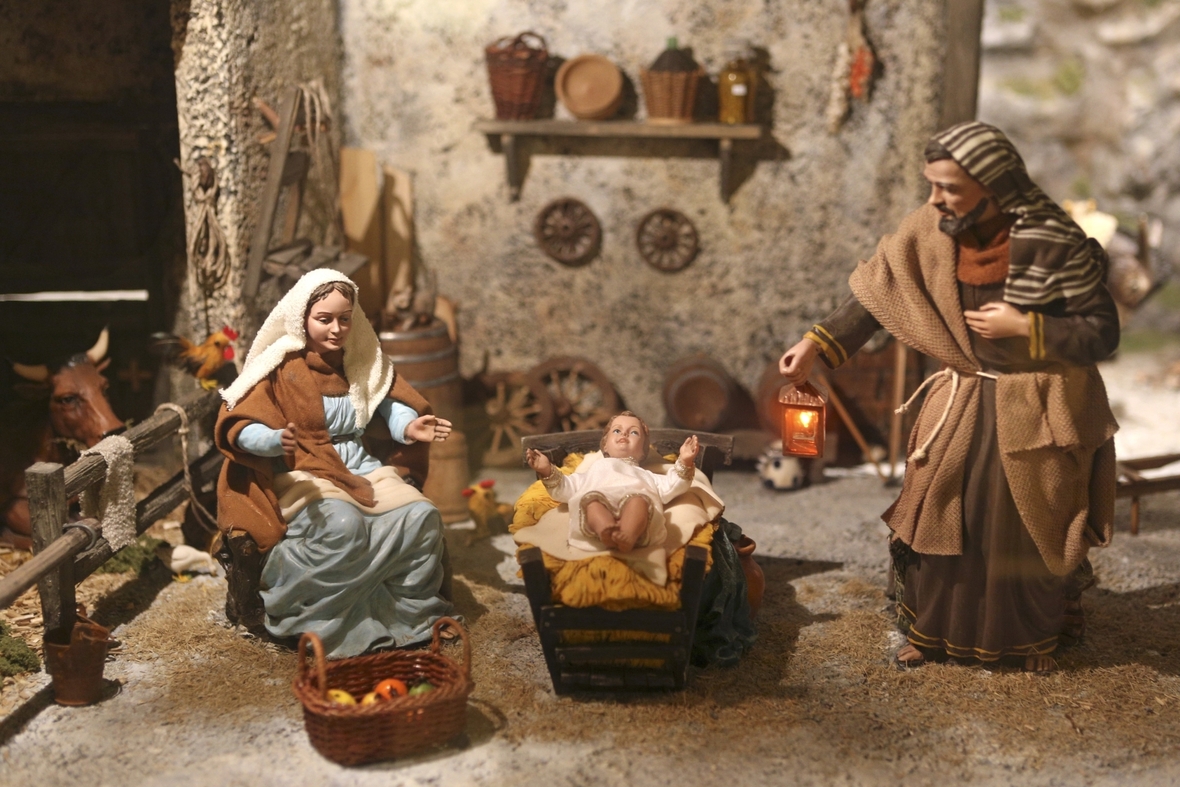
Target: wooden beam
<point x="91" y="469"/>
<point x="260" y="245"/>
<point x="960" y="72"/>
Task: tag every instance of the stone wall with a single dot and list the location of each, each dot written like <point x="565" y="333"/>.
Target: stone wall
<point x="771" y="262"/>
<point x="229" y="52"/>
<point x="56" y="50"/>
<point x="1089" y="90"/>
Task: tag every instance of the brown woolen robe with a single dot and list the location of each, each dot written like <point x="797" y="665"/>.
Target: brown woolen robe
<point x="293" y="394"/>
<point x="1019" y="482"/>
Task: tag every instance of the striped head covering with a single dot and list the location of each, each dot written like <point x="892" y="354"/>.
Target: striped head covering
<point x="1051" y="257"/>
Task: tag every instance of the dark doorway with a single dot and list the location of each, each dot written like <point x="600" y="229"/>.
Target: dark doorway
<point x="90" y="199"/>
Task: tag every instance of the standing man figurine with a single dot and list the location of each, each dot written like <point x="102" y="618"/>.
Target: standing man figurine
<point x="1010" y="476"/>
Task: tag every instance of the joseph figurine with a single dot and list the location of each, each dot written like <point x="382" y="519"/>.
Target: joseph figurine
<point x="1010" y="471"/>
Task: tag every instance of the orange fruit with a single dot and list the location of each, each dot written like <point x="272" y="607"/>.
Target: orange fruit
<point x="391" y="687"/>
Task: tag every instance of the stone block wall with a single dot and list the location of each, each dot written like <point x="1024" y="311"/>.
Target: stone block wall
<point x="773" y="260"/>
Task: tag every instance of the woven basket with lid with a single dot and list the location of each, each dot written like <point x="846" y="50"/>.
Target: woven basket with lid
<point x="357" y="734"/>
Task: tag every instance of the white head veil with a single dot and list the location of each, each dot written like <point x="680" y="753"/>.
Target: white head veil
<point x="368" y="370"/>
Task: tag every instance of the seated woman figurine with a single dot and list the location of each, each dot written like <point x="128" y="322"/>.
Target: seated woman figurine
<point x="617" y="504"/>
<point x="353" y="552"/>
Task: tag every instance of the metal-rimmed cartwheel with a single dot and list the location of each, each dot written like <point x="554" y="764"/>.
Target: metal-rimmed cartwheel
<point x="583" y="396"/>
<point x="568" y="231"/>
<point x="518" y="405"/>
<point x="667" y="239"/>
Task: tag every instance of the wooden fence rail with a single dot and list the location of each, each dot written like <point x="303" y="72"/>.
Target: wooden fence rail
<point x="62" y="558"/>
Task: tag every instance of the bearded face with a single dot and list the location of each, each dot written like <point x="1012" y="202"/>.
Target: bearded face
<point x="961" y="199"/>
<point x="952" y="224"/>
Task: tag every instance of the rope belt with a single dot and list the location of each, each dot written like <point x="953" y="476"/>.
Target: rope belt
<point x="954" y="374"/>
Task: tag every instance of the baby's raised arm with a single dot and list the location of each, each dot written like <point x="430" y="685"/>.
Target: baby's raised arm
<point x="689" y="451"/>
<point x="539" y="462"/>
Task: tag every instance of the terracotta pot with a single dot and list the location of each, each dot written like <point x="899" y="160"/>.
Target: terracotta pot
<point x="755" y="581"/>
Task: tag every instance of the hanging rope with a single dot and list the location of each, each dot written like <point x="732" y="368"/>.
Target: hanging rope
<point x="317" y="119"/>
<point x="208" y="252"/>
<point x="202" y="515"/>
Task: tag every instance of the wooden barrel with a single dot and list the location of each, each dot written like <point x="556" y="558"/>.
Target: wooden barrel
<point x="448" y="478"/>
<point x="770" y="412"/>
<point x="428" y="360"/>
<point x="699" y="394"/>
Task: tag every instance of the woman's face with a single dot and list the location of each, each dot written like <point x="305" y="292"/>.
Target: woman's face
<point x="328" y="323"/>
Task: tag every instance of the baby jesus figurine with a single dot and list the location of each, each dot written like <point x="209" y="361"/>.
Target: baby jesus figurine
<point x="617" y="504"/>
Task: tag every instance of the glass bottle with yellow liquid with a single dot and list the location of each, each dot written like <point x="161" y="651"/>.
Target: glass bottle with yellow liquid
<point x="735" y="87"/>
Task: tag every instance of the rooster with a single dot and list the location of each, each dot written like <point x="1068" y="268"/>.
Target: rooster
<point x="205" y="361"/>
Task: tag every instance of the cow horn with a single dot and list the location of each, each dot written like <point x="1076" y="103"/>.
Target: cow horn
<point x="36" y="374"/>
<point x="99" y="350"/>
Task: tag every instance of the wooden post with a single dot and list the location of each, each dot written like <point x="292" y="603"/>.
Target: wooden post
<point x="896" y="418"/>
<point x="508" y="143"/>
<point x="48" y="511"/>
<point x="960" y="81"/>
<point x="725" y="153"/>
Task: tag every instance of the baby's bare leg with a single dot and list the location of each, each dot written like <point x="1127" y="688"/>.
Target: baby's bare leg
<point x="632" y="523"/>
<point x="602" y="523"/>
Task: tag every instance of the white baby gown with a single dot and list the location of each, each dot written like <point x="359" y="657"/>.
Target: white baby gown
<point x="613" y="482"/>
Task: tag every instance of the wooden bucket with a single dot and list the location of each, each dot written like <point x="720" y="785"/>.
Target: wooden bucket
<point x="429" y="361"/>
<point x="699" y="394"/>
<point x="448" y="478"/>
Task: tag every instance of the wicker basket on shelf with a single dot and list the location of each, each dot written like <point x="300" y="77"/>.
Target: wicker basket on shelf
<point x="516" y="72"/>
<point x="356" y="734"/>
<point x="670" y="95"/>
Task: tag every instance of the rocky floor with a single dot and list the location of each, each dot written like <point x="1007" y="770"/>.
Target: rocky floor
<point x="191" y="701"/>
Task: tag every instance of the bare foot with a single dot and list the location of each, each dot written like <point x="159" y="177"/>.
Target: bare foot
<point x="624" y="541"/>
<point x="609" y="536"/>
<point x="1040" y="665"/>
<point x="909" y="656"/>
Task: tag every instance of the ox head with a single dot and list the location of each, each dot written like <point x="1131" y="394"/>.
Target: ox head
<point x="78" y="406"/>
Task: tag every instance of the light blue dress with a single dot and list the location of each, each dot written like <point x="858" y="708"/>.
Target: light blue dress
<point x="358" y="581"/>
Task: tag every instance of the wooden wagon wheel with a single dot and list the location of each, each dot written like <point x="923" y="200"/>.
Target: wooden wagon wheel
<point x="583" y="396"/>
<point x="667" y="239"/>
<point x="568" y="231"/>
<point x="519" y="405"/>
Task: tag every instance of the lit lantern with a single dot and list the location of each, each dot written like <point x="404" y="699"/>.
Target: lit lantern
<point x="804" y="423"/>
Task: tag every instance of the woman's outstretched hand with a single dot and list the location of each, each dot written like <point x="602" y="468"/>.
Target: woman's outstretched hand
<point x="689" y="450"/>
<point x="429" y="429"/>
<point x="796" y="362"/>
<point x="287" y="439"/>
<point x="539" y="462"/>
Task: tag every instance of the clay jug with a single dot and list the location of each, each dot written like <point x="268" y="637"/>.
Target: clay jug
<point x="755" y="581"/>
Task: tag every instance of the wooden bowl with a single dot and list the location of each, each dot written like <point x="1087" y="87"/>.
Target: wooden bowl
<point x="590" y="87"/>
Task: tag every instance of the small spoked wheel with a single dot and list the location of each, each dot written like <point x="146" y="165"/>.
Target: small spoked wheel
<point x="583" y="396"/>
<point x="518" y="406"/>
<point x="667" y="239"/>
<point x="568" y="231"/>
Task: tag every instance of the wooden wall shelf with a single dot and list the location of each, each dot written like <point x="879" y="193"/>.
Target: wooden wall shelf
<point x="509" y="130"/>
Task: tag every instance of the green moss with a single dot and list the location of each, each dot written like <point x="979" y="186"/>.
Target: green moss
<point x="1168" y="296"/>
<point x="15" y="656"/>
<point x="135" y="557"/>
<point x="1033" y="88"/>
<point x="1011" y="13"/>
<point x="1070" y="76"/>
<point x="1147" y="341"/>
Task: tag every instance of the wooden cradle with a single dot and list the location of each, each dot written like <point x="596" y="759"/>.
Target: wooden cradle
<point x="581" y="645"/>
